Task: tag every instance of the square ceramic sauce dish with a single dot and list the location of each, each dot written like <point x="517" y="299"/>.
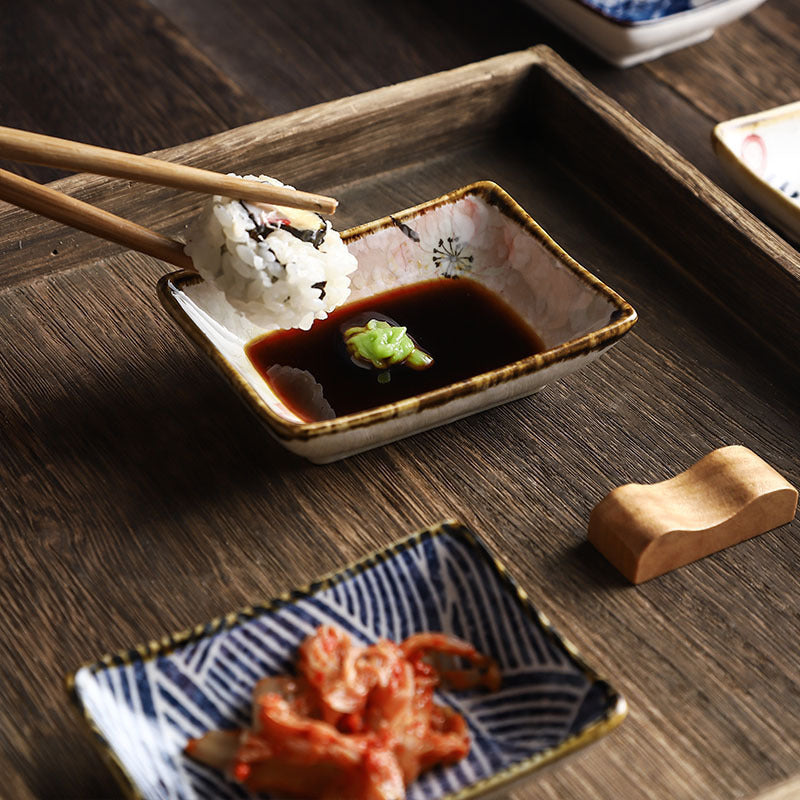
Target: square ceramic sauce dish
<point x="475" y="238"/>
<point x="762" y="154"/>
<point x="144" y="704"/>
<point x="628" y="32"/>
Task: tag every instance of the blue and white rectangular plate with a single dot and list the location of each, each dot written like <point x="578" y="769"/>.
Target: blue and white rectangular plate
<point x="145" y="703"/>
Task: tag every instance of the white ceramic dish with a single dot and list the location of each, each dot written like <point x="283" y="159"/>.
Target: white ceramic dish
<point x="762" y="153"/>
<point x="628" y="32"/>
<point x="477" y="231"/>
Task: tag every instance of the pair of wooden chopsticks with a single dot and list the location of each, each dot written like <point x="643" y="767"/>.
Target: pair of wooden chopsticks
<point x="34" y="148"/>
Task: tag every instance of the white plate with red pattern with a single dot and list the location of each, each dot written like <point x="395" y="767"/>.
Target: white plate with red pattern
<point x="762" y="153"/>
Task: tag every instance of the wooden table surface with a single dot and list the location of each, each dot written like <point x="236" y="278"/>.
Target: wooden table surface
<point x="116" y="526"/>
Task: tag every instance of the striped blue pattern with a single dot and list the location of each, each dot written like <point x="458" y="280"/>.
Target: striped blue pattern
<point x="632" y="11"/>
<point x="146" y="710"/>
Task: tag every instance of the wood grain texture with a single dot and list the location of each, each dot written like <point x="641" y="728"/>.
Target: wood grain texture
<point x="656" y="189"/>
<point x="751" y="65"/>
<point x="679" y="97"/>
<point x="139" y="497"/>
<point x="395" y="42"/>
<point x="315" y="148"/>
<point x="77" y="69"/>
<point x="244" y="60"/>
<point x="747" y="67"/>
<point x="70" y="211"/>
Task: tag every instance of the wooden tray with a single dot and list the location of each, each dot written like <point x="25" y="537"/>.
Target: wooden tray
<point x="140" y="497"/>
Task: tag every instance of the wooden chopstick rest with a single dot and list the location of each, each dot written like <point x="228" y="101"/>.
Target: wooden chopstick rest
<point x="728" y="496"/>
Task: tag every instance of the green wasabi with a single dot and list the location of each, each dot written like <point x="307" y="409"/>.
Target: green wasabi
<point x="382" y="345"/>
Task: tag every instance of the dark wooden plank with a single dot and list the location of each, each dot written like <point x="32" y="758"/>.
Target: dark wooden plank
<point x="287" y="63"/>
<point x="210" y="488"/>
<point x="746" y="67"/>
<point x="681" y="210"/>
<point x="115" y="74"/>
<point x="142" y="498"/>
<point x="312" y="152"/>
<point x="304" y="149"/>
<point x="251" y="40"/>
<point x="780" y="21"/>
<point x="291" y="60"/>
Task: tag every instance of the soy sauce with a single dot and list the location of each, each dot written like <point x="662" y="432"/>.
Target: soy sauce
<point x="465" y="327"/>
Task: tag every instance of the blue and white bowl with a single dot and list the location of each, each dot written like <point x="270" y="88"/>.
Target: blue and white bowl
<point x="627" y="32"/>
<point x="144" y="704"/>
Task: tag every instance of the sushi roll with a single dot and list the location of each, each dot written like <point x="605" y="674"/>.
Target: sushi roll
<point x="280" y="267"/>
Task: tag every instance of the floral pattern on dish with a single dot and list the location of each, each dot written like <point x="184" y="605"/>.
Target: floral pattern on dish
<point x="473" y="237"/>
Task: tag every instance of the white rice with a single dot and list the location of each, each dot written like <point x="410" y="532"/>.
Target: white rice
<point x="270" y="279"/>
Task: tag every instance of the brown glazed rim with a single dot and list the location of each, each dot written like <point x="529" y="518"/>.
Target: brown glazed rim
<point x="615" y="712"/>
<point x="491" y="193"/>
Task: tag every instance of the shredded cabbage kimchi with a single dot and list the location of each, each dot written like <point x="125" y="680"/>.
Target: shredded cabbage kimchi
<point x="357" y="723"/>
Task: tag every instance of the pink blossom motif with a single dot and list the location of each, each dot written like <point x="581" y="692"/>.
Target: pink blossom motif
<point x="754" y="153"/>
<point x="472" y="238"/>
